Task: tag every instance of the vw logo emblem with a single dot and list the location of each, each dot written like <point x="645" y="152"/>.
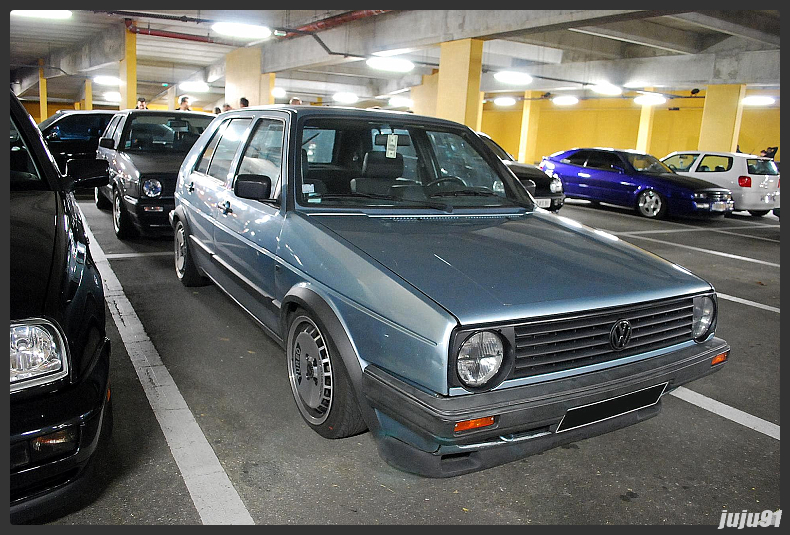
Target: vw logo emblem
<point x="620" y="334"/>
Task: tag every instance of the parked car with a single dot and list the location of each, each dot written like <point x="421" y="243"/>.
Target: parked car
<point x="74" y="134"/>
<point x="144" y="149"/>
<point x="60" y="356"/>
<point x="443" y="312"/>
<point x="635" y="180"/>
<point x="548" y="189"/>
<point x="753" y="180"/>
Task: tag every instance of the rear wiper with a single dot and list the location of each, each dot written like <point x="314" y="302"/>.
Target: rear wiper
<point x="414" y="203"/>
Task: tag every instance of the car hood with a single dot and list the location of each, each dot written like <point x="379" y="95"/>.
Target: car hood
<point x="522" y="170"/>
<point x="33" y="231"/>
<point x="682" y="181"/>
<point x="147" y="163"/>
<point x="488" y="269"/>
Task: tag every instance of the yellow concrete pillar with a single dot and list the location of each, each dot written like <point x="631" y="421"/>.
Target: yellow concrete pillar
<point x="424" y="96"/>
<point x="42" y="91"/>
<point x="319" y="101"/>
<point x="267" y="85"/>
<point x="721" y="117"/>
<point x="128" y="72"/>
<point x="88" y="101"/>
<point x="460" y="64"/>
<point x="530" y="116"/>
<point x="243" y="76"/>
<point x="645" y="132"/>
<point x="171" y="98"/>
<point x="480" y="102"/>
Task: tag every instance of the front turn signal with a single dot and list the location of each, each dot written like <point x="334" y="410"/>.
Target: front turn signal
<point x="466" y="425"/>
<point x="718" y="359"/>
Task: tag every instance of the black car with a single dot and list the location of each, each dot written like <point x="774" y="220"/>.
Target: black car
<point x="60" y="356"/>
<point x="74" y="134"/>
<point x="144" y="149"/>
<point x="548" y="190"/>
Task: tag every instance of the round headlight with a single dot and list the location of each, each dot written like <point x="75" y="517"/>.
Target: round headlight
<point x="556" y="185"/>
<point x="152" y="187"/>
<point x="37" y="354"/>
<point x="480" y="358"/>
<point x="704" y="316"/>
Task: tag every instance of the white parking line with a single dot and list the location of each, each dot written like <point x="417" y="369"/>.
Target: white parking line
<point x="212" y="492"/>
<point x="747" y="302"/>
<point x="731" y="413"/>
<point x="708" y="251"/>
<point x="117" y="256"/>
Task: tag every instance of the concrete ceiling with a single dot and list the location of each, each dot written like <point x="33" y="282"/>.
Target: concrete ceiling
<point x="671" y="50"/>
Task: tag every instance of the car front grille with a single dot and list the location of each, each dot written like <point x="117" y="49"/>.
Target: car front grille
<point x="570" y="341"/>
<point x="718" y="195"/>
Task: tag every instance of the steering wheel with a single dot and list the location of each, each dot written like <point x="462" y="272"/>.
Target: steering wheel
<point x="444" y="179"/>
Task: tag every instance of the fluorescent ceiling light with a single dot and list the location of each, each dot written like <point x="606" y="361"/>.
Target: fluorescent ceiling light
<point x="112" y="96"/>
<point x="194" y="86"/>
<point x="42" y="13"/>
<point x="107" y="80"/>
<point x="401" y="102"/>
<point x="394" y="52"/>
<point x="565" y="100"/>
<point x="757" y="100"/>
<point x="243" y="31"/>
<point x="504" y="101"/>
<point x="345" y="98"/>
<point x="606" y="88"/>
<point x="650" y="99"/>
<point x="637" y="83"/>
<point x="383" y="63"/>
<point x="278" y="92"/>
<point x="513" y="77"/>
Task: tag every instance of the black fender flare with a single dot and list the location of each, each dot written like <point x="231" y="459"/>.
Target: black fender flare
<point x="178" y="215"/>
<point x="303" y="297"/>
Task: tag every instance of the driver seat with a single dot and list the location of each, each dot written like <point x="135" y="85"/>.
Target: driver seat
<point x="379" y="173"/>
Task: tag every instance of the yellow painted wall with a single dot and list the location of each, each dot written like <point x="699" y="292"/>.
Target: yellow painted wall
<point x="759" y="130"/>
<point x="503" y="126"/>
<point x="676" y="129"/>
<point x="424" y="96"/>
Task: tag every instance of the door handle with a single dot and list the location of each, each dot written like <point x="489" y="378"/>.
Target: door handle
<point x="224" y="207"/>
<point x="191" y="187"/>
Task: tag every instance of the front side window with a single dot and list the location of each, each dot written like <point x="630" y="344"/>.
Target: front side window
<point x="162" y="133"/>
<point x="376" y="164"/>
<point x="681" y="162"/>
<point x="603" y="160"/>
<point x="78" y="127"/>
<point x="226" y="148"/>
<point x="712" y="163"/>
<point x="264" y="153"/>
<point x="645" y="163"/>
<point x="24" y="174"/>
<point x="577" y="158"/>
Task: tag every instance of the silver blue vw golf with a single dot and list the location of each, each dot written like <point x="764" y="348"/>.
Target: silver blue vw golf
<point x="419" y="293"/>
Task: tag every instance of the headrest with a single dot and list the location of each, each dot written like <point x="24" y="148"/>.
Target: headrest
<point x="377" y="165"/>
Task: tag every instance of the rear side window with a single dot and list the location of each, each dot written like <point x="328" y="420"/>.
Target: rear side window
<point x="761" y="167"/>
<point x="681" y="162"/>
<point x="79" y="127"/>
<point x="577" y="158"/>
<point x="713" y="163"/>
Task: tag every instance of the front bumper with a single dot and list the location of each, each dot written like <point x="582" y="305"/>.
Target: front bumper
<point x="417" y="428"/>
<point x="151" y="216"/>
<point x="40" y="487"/>
<point x="550" y="201"/>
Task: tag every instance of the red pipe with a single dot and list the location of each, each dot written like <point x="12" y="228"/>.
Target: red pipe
<point x="173" y="35"/>
<point x="337" y="20"/>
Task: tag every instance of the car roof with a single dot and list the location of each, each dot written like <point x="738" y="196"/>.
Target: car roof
<point x="718" y="153"/>
<point x="134" y="111"/>
<point x="305" y="110"/>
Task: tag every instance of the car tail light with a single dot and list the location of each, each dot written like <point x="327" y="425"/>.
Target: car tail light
<point x="745" y="181"/>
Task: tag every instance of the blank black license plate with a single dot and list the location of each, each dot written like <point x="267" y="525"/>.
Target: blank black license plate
<point x="609" y="408"/>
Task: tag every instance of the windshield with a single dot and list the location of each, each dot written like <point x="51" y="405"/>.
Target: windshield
<point x="359" y="163"/>
<point x="645" y="163"/>
<point x="162" y="132"/>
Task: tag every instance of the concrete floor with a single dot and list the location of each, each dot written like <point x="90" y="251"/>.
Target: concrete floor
<point x="682" y="467"/>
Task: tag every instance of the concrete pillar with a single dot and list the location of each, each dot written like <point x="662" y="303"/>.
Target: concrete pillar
<point x="481" y="100"/>
<point x="267" y="84"/>
<point x="424" y="96"/>
<point x="721" y="117"/>
<point x="42" y="92"/>
<point x="88" y="99"/>
<point x="645" y="132"/>
<point x="530" y="116"/>
<point x="243" y="76"/>
<point x="460" y="64"/>
<point x="171" y="98"/>
<point x="128" y="72"/>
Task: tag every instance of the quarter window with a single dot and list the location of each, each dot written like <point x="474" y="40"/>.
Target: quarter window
<point x="681" y="162"/>
<point x="712" y="163"/>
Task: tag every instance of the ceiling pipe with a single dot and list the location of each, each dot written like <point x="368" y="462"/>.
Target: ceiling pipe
<point x="173" y="35"/>
<point x="332" y="22"/>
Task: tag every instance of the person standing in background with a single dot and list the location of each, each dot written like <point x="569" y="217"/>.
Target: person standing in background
<point x="226" y="107"/>
<point x="184" y="104"/>
<point x="295" y="101"/>
<point x="141" y="104"/>
<point x="244" y="103"/>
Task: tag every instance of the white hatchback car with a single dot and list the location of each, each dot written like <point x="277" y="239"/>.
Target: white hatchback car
<point x="753" y="180"/>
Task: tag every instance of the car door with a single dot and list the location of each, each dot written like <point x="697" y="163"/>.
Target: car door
<point x="575" y="178"/>
<point x="607" y="181"/>
<point x="247" y="230"/>
<point x="204" y="187"/>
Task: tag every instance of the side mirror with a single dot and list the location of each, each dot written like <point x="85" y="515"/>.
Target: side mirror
<point x="106" y="142"/>
<point x="84" y="174"/>
<point x="255" y="187"/>
<point x="529" y="184"/>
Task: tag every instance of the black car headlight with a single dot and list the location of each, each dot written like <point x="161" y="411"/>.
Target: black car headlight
<point x="152" y="187"/>
<point x="704" y="317"/>
<point x="38" y="354"/>
<point x="556" y="185"/>
<point x="480" y="358"/>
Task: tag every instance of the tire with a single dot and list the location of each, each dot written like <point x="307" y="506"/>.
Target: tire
<point x="313" y="360"/>
<point x="121" y="224"/>
<point x="186" y="270"/>
<point x="101" y="201"/>
<point x="759" y="213"/>
<point x="651" y="204"/>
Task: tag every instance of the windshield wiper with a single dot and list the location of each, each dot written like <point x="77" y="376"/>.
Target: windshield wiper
<point x="464" y="192"/>
<point x="416" y="203"/>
